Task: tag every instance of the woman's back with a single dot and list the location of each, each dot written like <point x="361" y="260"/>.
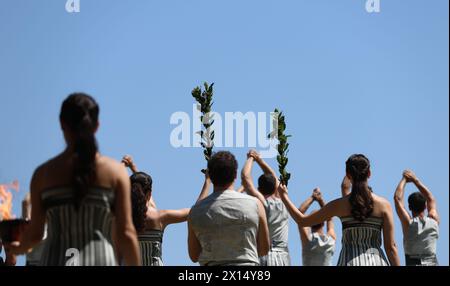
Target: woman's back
<point x="78" y="232"/>
<point x="362" y="239"/>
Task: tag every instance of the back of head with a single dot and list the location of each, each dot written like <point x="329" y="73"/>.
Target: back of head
<point x="141" y="189"/>
<point x="361" y="200"/>
<point x="222" y="168"/>
<point x="317" y="227"/>
<point x="79" y="114"/>
<point x="417" y="202"/>
<point x="267" y="184"/>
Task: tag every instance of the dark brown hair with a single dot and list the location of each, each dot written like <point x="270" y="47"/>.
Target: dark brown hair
<point x="141" y="187"/>
<point x="361" y="200"/>
<point x="222" y="168"/>
<point x="79" y="112"/>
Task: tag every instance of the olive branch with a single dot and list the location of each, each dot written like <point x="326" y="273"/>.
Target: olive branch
<point x="204" y="104"/>
<point x="283" y="145"/>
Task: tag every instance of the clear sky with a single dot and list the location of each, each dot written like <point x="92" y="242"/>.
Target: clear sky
<point x="348" y="81"/>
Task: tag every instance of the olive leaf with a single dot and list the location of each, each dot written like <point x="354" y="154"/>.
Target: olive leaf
<point x="283" y="145"/>
<point x="204" y="100"/>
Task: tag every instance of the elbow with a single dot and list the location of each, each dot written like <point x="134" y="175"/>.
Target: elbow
<point x="127" y="236"/>
<point x="391" y="249"/>
<point x="398" y="199"/>
<point x="194" y="255"/>
<point x="194" y="258"/>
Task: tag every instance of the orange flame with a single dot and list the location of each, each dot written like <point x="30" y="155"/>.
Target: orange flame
<point x="6" y="198"/>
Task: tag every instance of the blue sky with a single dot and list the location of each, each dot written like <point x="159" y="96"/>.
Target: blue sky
<point x="348" y="81"/>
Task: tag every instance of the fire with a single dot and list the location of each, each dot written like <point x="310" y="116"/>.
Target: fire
<point x="6" y="198"/>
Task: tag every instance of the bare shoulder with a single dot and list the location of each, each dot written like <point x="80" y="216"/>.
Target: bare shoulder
<point x="110" y="171"/>
<point x="382" y="204"/>
<point x="38" y="180"/>
<point x="110" y="165"/>
<point x="381" y="200"/>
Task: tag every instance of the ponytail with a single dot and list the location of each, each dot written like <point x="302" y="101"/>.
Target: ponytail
<point x="80" y="114"/>
<point x="141" y="187"/>
<point x="361" y="200"/>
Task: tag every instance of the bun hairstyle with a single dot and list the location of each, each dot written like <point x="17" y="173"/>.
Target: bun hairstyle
<point x="79" y="113"/>
<point x="361" y="200"/>
<point x="141" y="188"/>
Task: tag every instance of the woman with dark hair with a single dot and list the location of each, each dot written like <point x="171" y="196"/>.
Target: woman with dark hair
<point x="366" y="218"/>
<point x="149" y="222"/>
<point x="79" y="193"/>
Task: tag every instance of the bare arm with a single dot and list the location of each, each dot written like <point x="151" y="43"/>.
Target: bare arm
<point x="205" y="189"/>
<point x="263" y="240"/>
<point x="388" y="236"/>
<point x="265" y="168"/>
<point x="34" y="232"/>
<point x="128" y="161"/>
<point x="431" y="201"/>
<point x="241" y="189"/>
<point x="194" y="246"/>
<point x="330" y="225"/>
<point x="346" y="186"/>
<point x="334" y="208"/>
<point x="247" y="180"/>
<point x="173" y="216"/>
<point x="402" y="213"/>
<point x="305" y="231"/>
<point x="126" y="236"/>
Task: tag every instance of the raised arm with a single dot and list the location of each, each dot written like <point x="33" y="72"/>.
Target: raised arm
<point x="402" y="212"/>
<point x="265" y="168"/>
<point x="334" y="208"/>
<point x="247" y="180"/>
<point x="305" y="231"/>
<point x="206" y="186"/>
<point x="128" y="161"/>
<point x="431" y="201"/>
<point x="317" y="195"/>
<point x="346" y="186"/>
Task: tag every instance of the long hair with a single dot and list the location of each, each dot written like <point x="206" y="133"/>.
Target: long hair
<point x="361" y="200"/>
<point x="141" y="187"/>
<point x="79" y="112"/>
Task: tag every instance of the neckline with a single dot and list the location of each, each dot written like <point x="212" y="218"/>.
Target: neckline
<point x="350" y="217"/>
<point x="56" y="187"/>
